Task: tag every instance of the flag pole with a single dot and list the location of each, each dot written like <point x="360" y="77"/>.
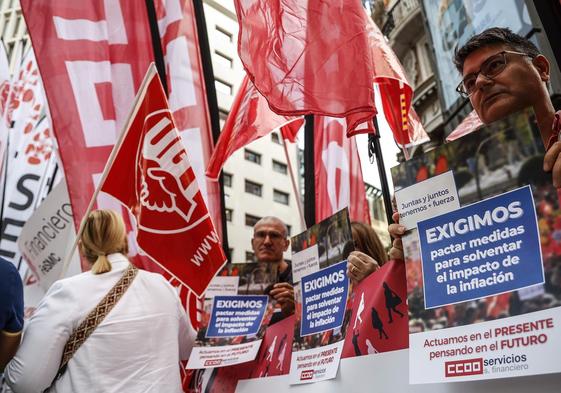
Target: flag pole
<point x="375" y="152"/>
<point x="212" y="102"/>
<point x="157" y="44"/>
<point x="309" y="178"/>
<point x="149" y="75"/>
<point x="294" y="186"/>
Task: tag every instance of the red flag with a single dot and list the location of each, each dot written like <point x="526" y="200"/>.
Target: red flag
<point x="395" y="91"/>
<point x="152" y="176"/>
<point x="92" y="59"/>
<point x="250" y="118"/>
<point x="338" y="173"/>
<point x="308" y="57"/>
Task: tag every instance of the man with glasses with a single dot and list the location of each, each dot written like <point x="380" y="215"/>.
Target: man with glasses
<point x="503" y="73"/>
<point x="269" y="242"/>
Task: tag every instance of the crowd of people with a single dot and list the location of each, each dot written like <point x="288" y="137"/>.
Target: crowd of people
<point x="117" y="328"/>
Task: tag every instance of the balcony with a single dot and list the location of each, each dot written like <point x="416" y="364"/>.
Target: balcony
<point x="403" y="23"/>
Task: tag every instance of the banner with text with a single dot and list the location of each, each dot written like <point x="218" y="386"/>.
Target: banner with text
<point x="47" y="238"/>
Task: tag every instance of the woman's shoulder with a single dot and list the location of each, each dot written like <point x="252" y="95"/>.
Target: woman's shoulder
<point x="156" y="280"/>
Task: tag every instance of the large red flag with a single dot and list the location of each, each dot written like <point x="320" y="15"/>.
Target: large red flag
<point x="309" y="56"/>
<point x="151" y="175"/>
<point x="250" y="118"/>
<point x="338" y="173"/>
<point x="92" y="59"/>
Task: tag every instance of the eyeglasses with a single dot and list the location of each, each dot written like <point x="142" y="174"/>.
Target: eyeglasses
<point x="273" y="235"/>
<point x="490" y="68"/>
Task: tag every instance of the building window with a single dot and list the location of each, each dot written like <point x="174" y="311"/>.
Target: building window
<point x="252" y="156"/>
<point x="249" y="256"/>
<point x="250" y="220"/>
<point x="222" y="115"/>
<point x="229" y="213"/>
<point x="275" y="138"/>
<point x="280" y="197"/>
<point x="223" y="60"/>
<point x="224" y="34"/>
<point x="289" y="229"/>
<point x="223" y="87"/>
<point x="253" y="188"/>
<point x="280" y="167"/>
<point x="227" y="179"/>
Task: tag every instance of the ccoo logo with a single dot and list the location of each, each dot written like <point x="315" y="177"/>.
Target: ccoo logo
<point x="167" y="181"/>
<point x="462" y="368"/>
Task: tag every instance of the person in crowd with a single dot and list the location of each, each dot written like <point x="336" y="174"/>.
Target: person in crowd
<point x="269" y="242"/>
<point x="11" y="311"/>
<point x="503" y="73"/>
<point x="369" y="252"/>
<point x="133" y="347"/>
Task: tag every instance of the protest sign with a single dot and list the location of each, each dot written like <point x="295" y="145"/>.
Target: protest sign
<point x="483" y="285"/>
<point x="426" y="199"/>
<point x="483" y="249"/>
<point x="236" y="316"/>
<point x="236" y="312"/>
<point x="321" y="298"/>
<point x="47" y="238"/>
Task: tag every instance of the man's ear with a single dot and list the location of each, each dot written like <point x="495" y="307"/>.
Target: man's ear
<point x="286" y="244"/>
<point x="252" y="244"/>
<point x="542" y="65"/>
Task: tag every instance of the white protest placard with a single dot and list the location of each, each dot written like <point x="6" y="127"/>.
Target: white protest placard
<point x="429" y="198"/>
<point x="47" y="237"/>
<point x="222" y="286"/>
<point x="305" y="262"/>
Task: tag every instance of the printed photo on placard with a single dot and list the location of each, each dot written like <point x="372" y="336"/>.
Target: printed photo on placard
<point x="321" y="245"/>
<point x="482" y="254"/>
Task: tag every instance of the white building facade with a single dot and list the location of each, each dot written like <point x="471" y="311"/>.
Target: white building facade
<point x="257" y="179"/>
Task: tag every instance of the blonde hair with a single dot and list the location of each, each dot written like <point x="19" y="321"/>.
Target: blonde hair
<point x="104" y="233"/>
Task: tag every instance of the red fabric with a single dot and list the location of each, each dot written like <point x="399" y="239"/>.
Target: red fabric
<point x="295" y="51"/>
<point x="471" y="123"/>
<point x="152" y="176"/>
<point x="395" y="91"/>
<point x="396" y="101"/>
<point x="250" y="118"/>
<point x="363" y="334"/>
<point x="74" y="66"/>
<point x="338" y="173"/>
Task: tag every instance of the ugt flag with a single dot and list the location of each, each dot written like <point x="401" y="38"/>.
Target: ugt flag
<point x="151" y="175"/>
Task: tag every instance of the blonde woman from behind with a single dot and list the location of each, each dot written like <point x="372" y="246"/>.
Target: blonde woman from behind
<point x="135" y="348"/>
